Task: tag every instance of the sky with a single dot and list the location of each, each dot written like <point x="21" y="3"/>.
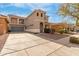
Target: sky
<point x="24" y="9"/>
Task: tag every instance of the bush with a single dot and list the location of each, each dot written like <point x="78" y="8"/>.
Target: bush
<point x="46" y="30"/>
<point x="61" y="31"/>
<point x="52" y="31"/>
<point x="9" y="30"/>
<point x="66" y="31"/>
<point x="74" y="40"/>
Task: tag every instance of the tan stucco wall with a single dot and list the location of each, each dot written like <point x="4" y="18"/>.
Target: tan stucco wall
<point x="3" y="26"/>
<point x="14" y="20"/>
<point x="35" y="21"/>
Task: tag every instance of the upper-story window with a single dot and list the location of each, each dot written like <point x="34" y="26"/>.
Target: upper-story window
<point x="14" y="20"/>
<point x="37" y="14"/>
<point x="41" y="14"/>
<point x="21" y="21"/>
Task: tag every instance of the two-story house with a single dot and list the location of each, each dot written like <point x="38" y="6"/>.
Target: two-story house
<point x="36" y="21"/>
<point x="16" y="23"/>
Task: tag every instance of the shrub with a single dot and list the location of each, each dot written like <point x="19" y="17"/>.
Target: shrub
<point x="46" y="30"/>
<point x="9" y="30"/>
<point x="52" y="31"/>
<point x="66" y="31"/>
<point x="74" y="40"/>
<point x="61" y="31"/>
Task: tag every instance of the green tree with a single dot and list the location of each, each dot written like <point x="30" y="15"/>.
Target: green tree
<point x="71" y="10"/>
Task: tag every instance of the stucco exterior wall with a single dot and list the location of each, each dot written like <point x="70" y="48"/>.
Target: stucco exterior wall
<point x="33" y="21"/>
<point x="3" y="26"/>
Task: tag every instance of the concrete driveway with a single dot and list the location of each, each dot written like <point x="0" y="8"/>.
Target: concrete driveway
<point x="26" y="44"/>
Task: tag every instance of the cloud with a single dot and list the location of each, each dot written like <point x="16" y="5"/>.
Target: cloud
<point x="20" y="5"/>
<point x="38" y="5"/>
<point x="32" y="6"/>
<point x="13" y="13"/>
<point x="2" y="5"/>
<point x="23" y="9"/>
<point x="4" y="13"/>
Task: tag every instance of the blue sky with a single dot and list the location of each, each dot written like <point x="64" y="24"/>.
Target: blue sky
<point x="24" y="9"/>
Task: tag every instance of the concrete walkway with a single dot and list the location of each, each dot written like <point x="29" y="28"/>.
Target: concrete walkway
<point x="26" y="44"/>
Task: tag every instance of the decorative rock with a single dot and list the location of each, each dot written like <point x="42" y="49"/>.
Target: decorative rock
<point x="74" y="39"/>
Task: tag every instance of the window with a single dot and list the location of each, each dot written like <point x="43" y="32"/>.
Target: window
<point x="37" y="14"/>
<point x="14" y="20"/>
<point x="21" y="21"/>
<point x="41" y="15"/>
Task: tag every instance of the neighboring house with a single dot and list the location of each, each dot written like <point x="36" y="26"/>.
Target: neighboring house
<point x="50" y="25"/>
<point x="3" y="24"/>
<point x="58" y="26"/>
<point x="36" y="21"/>
<point x="72" y="27"/>
<point x="16" y="23"/>
<point x="77" y="22"/>
<point x="77" y="26"/>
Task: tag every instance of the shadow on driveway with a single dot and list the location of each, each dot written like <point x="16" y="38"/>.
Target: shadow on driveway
<point x="62" y="39"/>
<point x="53" y="36"/>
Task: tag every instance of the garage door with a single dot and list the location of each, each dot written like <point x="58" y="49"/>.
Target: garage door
<point x="77" y="30"/>
<point x="17" y="29"/>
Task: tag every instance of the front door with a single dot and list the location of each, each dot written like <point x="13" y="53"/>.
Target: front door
<point x="41" y="27"/>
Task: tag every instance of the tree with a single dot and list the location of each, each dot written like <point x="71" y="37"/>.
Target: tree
<point x="69" y="10"/>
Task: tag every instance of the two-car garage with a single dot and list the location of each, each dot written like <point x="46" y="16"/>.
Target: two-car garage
<point x="17" y="28"/>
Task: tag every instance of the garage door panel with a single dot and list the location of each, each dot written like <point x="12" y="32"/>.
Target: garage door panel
<point x="17" y="29"/>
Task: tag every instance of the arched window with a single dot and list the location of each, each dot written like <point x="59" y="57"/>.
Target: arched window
<point x="41" y="14"/>
<point x="37" y="14"/>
